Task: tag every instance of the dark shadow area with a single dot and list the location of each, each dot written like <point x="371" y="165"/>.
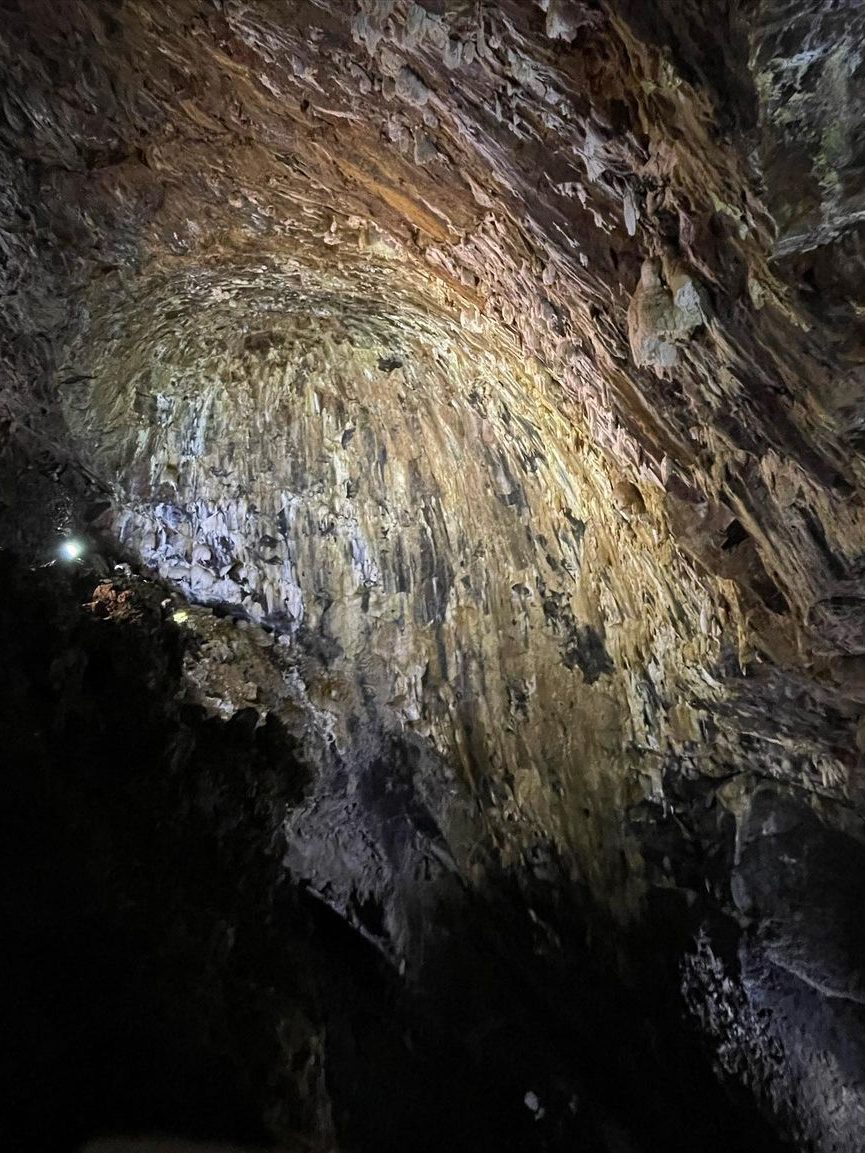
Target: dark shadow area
<point x="162" y="974"/>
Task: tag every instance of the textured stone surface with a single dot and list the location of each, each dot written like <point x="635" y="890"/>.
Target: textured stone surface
<point x="501" y="365"/>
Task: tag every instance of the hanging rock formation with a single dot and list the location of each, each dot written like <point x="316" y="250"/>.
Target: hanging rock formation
<point x="472" y="398"/>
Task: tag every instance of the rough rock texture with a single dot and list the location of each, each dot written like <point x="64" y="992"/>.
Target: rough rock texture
<point x="501" y="367"/>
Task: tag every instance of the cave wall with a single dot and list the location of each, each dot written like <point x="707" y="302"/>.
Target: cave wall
<point x="420" y="519"/>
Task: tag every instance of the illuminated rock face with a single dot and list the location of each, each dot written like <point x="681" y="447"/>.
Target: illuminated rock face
<point x="501" y="367"/>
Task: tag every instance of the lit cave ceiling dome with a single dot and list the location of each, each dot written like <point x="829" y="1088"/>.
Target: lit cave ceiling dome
<point x="433" y="456"/>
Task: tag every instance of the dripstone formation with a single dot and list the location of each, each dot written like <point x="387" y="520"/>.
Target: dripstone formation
<point x="433" y="555"/>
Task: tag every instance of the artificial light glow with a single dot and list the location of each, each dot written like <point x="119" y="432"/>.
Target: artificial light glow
<point x="71" y="549"/>
<point x="180" y="617"/>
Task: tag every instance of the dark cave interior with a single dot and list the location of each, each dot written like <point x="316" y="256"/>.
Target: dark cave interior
<point x="158" y="939"/>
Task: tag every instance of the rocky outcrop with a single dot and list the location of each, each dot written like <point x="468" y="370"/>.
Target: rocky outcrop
<point x="489" y="379"/>
<point x="661" y="315"/>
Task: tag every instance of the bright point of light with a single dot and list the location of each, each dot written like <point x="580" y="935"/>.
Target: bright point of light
<point x="180" y="617"/>
<point x="71" y="549"/>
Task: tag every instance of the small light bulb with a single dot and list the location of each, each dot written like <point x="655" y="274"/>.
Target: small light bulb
<point x="71" y="549"/>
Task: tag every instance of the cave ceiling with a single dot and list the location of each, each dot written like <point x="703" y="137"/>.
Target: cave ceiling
<point x="505" y="363"/>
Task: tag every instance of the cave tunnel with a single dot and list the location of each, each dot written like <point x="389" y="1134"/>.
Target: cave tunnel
<point x="433" y="576"/>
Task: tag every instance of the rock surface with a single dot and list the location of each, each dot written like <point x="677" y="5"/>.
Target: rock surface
<point x="496" y="374"/>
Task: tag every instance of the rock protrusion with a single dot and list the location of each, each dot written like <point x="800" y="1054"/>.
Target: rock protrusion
<point x="665" y="310"/>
